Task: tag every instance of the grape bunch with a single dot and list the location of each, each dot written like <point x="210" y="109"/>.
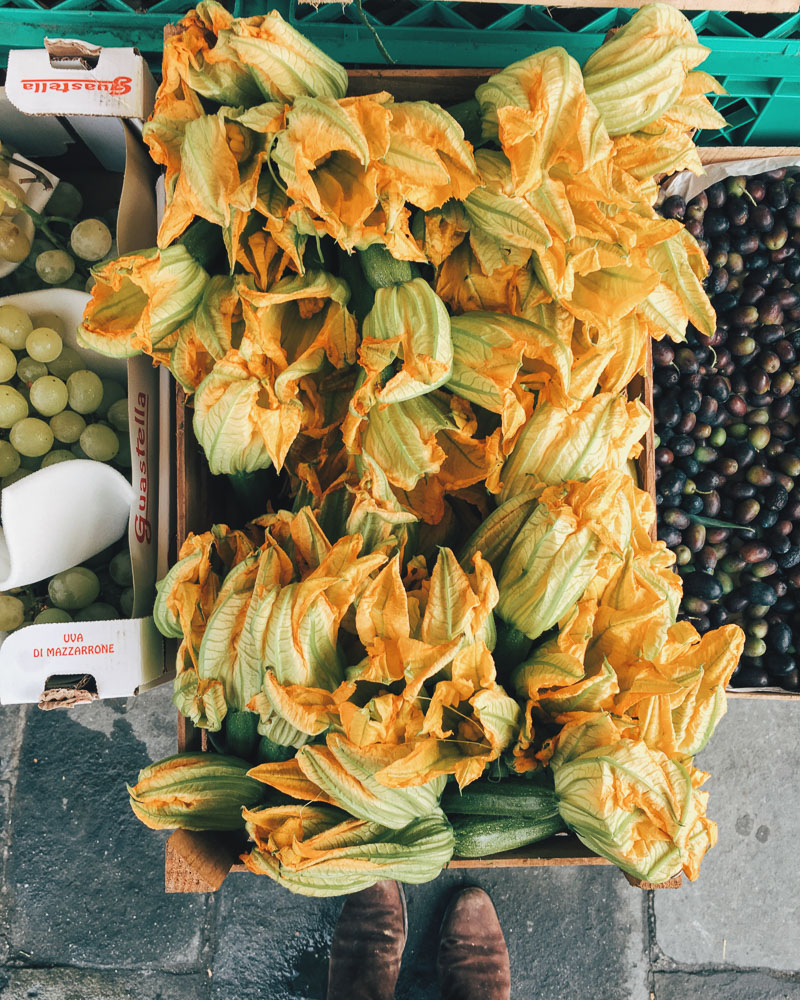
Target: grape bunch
<point x="63" y="247"/>
<point x="52" y="407"/>
<point x="727" y="439"/>
<point x="101" y="589"/>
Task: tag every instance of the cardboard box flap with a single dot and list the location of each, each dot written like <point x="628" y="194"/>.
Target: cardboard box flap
<point x="81" y="80"/>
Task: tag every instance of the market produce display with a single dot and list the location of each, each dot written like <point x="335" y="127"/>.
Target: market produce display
<point x="430" y="339"/>
<point x="728" y="457"/>
<point x="54" y="409"/>
<point x="64" y="245"/>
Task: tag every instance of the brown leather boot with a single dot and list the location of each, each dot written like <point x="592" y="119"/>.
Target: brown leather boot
<point x="368" y="944"/>
<point x="473" y="958"/>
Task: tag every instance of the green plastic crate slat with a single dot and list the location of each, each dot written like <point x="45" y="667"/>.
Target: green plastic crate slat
<point x="761" y="106"/>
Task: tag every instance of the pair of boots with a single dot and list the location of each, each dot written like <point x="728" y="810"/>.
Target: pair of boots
<point x="370" y="935"/>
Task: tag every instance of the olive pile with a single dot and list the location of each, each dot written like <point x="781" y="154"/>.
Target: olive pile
<point x="727" y="440"/>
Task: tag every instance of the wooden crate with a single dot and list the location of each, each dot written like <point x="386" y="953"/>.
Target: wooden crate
<point x="198" y="862"/>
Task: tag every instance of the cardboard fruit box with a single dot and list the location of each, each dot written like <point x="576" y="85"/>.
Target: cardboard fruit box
<point x="101" y="96"/>
<point x="199" y="862"/>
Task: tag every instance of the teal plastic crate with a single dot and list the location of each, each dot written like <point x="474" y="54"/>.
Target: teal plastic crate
<point x="755" y="56"/>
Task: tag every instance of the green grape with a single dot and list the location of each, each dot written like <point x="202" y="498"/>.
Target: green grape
<point x="90" y="239"/>
<point x="123" y="459"/>
<point x="85" y="391"/>
<point x="99" y="442"/>
<point x="52" y="616"/>
<point x="9" y="459"/>
<point x="31" y="437"/>
<point x="52" y="321"/>
<point x="6" y="208"/>
<point x="14" y="477"/>
<point x="15" y="325"/>
<point x="78" y="452"/>
<point x="126" y="602"/>
<point x="74" y="588"/>
<point x="43" y="344"/>
<point x="57" y="457"/>
<point x="118" y="415"/>
<point x="49" y="395"/>
<point x="55" y="267"/>
<point x="113" y="391"/>
<point x="99" y="612"/>
<point x="29" y="370"/>
<point x="120" y="569"/>
<point x="12" y="613"/>
<point x="66" y="363"/>
<point x="66" y="201"/>
<point x="14" y="244"/>
<point x="13" y="406"/>
<point x="67" y="426"/>
<point x="8" y="363"/>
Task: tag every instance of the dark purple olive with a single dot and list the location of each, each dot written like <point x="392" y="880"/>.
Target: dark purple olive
<point x="750" y="677"/>
<point x="668" y="412"/>
<point x="716" y="195"/>
<point x="718" y="280"/>
<point x="777" y="195"/>
<point x="783" y="528"/>
<point x="782" y="430"/>
<point x="695" y="537"/>
<point x="670" y="536"/>
<point x="741" y="490"/>
<point x="708" y="409"/>
<point x="674" y="517"/>
<point x="768" y="361"/>
<point x="745" y="243"/>
<point x="706" y="559"/>
<point x="758" y="380"/>
<point x="770" y="333"/>
<point x="695" y="228"/>
<point x="791" y="267"/>
<point x="682" y="445"/>
<point x="792" y="217"/>
<point x="790" y="465"/>
<point x="664" y="456"/>
<point x="788" y="298"/>
<point x="711" y="504"/>
<point x="775" y="497"/>
<point x="751" y="294"/>
<point x="774" y="448"/>
<point x="716" y="536"/>
<point x="745" y="316"/>
<point x="785" y="351"/>
<point x="736" y="405"/>
<point x="687" y="423"/>
<point x="702" y="431"/>
<point x="734" y="263"/>
<point x="761" y="218"/>
<point x="769" y="311"/>
<point x="718" y="257"/>
<point x="663" y="352"/>
<point x="675" y="207"/>
<point x="666" y="378"/>
<point x="756" y="188"/>
<point x="727" y="466"/>
<point x="686" y="361"/>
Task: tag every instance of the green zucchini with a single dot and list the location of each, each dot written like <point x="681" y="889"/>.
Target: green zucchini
<point x="381" y="270"/>
<point x="478" y="836"/>
<point x="241" y="733"/>
<point x="270" y="752"/>
<point x="511" y="648"/>
<point x="517" y="798"/>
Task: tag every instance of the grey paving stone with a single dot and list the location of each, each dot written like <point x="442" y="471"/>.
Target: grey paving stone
<point x="83" y="984"/>
<point x="85" y="878"/>
<point x="570" y="932"/>
<point x="12" y="724"/>
<point x="743" y="910"/>
<point x="731" y="985"/>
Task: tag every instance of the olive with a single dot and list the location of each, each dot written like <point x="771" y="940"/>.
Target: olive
<point x="692" y="504"/>
<point x="777" y="195"/>
<point x="702" y="431"/>
<point x="759" y="475"/>
<point x="718" y="258"/>
<point x="705" y="454"/>
<point x="716" y="195"/>
<point x="756" y="188"/>
<point x="683" y="555"/>
<point x="735" y="602"/>
<point x="675" y="207"/>
<point x="718" y="437"/>
<point x="788" y="560"/>
<point x="670" y="536"/>
<point x="744" y="453"/>
<point x="791" y="267"/>
<point x="775" y="447"/>
<point x="675" y="518"/>
<point x="716" y="537"/>
<point x="727" y="466"/>
<point x="761" y="218"/>
<point x="759" y="437"/>
<point x="788" y="298"/>
<point x="689" y="465"/>
<point x="695" y="537"/>
<point x="785" y="351"/>
<point x="750" y="677"/>
<point x="781" y="409"/>
<point x="695" y="228"/>
<point x="757" y="629"/>
<point x="736" y="186"/>
<point x="668" y="412"/>
<point x="716" y="222"/>
<point x="663" y="353"/>
<point x="664" y="456"/>
<point x="672" y="481"/>
<point x="770" y="333"/>
<point x="743" y="347"/>
<point x="755" y="647"/>
<point x="766" y="519"/>
<point x="761" y="399"/>
<point x="768" y="361"/>
<point x="718" y="615"/>
<point x="781" y="664"/>
<point x="747" y="510"/>
<point x="708" y="480"/>
<point x="779" y="636"/>
<point x="741" y="491"/>
<point x="695" y="605"/>
<point x="776" y="238"/>
<point x="758" y="417"/>
<point x="687" y="423"/>
<point x="706" y="560"/>
<point x="686" y="361"/>
<point x="764" y="569"/>
<point x="781" y="384"/>
<point x="667" y="378"/>
<point x="783" y="528"/>
<point x="711" y="504"/>
<point x="769" y="311"/>
<point x="751" y="294"/>
<point x="682" y="446"/>
<point x="745" y="243"/>
<point x="759" y="593"/>
<point x="736" y="405"/>
<point x="708" y="409"/>
<point x="790" y="465"/>
<point x="745" y="316"/>
<point x="781" y="429"/>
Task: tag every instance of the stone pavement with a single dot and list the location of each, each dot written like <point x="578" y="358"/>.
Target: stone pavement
<point x="83" y="914"/>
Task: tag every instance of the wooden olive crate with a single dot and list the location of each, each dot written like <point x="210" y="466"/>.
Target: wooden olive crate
<point x="199" y="862"/>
